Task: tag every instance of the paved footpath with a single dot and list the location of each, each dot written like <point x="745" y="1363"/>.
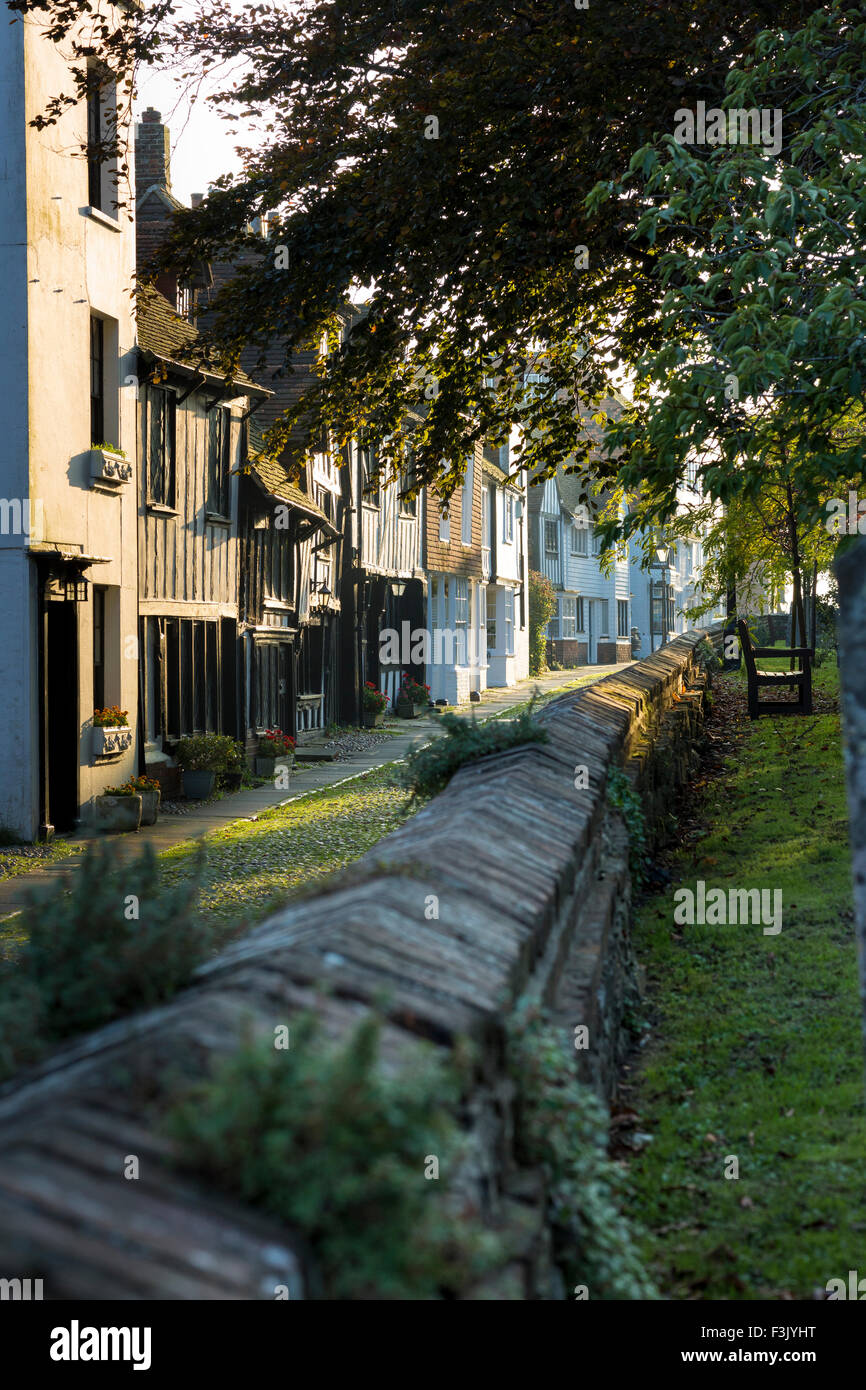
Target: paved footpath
<point x="308" y="778"/>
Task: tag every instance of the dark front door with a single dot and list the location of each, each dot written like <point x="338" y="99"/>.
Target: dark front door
<point x="61" y="715"/>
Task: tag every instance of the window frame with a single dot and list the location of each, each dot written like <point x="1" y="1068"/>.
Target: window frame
<point x="219" y="444"/>
<point x="97" y="379"/>
<point x="551" y="531"/>
<point x="166" y="496"/>
<point x="509" y="622"/>
<point x="467" y="497"/>
<point x="508" y="528"/>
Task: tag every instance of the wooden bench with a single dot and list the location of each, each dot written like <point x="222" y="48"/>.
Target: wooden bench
<point x="756" y="678"/>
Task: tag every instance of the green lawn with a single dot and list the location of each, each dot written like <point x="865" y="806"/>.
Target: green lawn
<point x="253" y="867"/>
<point x="753" y="1045"/>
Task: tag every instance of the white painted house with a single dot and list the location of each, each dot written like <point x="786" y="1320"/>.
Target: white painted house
<point x="664" y="593"/>
<point x="593" y="618"/>
<point x="68" y="581"/>
<point x="504" y="566"/>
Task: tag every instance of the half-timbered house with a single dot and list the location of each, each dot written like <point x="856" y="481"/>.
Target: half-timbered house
<point x="383" y="588"/>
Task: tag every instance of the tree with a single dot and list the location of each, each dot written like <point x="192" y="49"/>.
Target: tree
<point x="763" y="320"/>
<point x="762" y="316"/>
<point x="439" y="156"/>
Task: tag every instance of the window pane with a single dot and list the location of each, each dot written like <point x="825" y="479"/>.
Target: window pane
<point x="97" y="381"/>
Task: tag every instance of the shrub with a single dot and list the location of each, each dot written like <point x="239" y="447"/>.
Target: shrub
<point x="562" y="1127"/>
<point x="320" y="1137"/>
<point x="412" y="691"/>
<point x="275" y="744"/>
<point x="542" y="606"/>
<point x="427" y="770"/>
<point x="114" y="943"/>
<point x="372" y="699"/>
<point x="209" y="753"/>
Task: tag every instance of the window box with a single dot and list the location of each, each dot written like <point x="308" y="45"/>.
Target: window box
<point x="108" y="743"/>
<point x="109" y="468"/>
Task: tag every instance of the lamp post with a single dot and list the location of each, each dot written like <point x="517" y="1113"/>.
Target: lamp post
<point x="662" y="553"/>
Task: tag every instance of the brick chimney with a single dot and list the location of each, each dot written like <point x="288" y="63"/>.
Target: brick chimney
<point x="152" y="152"/>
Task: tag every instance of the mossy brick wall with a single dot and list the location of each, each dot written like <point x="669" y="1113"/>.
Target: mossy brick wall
<point x="528" y="868"/>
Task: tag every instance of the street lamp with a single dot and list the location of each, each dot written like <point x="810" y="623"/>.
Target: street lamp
<point x="662" y="553"/>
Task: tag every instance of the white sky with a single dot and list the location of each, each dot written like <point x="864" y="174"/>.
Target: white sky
<point x="201" y="148"/>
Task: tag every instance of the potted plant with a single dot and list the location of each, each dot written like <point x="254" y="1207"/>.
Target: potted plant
<point x="275" y="748"/>
<point x="118" y="808"/>
<point x="231" y="774"/>
<point x="111" y="731"/>
<point x="151" y="794"/>
<point x="374" y="702"/>
<point x="202" y="756"/>
<point x="411" y="697"/>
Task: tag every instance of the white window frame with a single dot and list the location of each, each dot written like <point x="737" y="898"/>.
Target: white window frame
<point x="509" y="622"/>
<point x="578" y="540"/>
<point x="508" y="529"/>
<point x="467" y="496"/>
<point x="568" y="618"/>
<point x="551" y="529"/>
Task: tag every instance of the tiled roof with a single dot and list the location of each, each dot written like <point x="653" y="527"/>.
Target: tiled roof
<point x="276" y="482"/>
<point x="490" y="466"/>
<point x="166" y="335"/>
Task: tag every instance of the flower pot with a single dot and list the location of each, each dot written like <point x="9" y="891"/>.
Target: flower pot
<point x="406" y="709"/>
<point x="117" y="813"/>
<point x="374" y="718"/>
<point x="197" y="786"/>
<point x="110" y="741"/>
<point x="150" y="800"/>
<point x="265" y="767"/>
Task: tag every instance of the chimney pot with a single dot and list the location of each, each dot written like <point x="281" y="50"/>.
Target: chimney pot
<point x="195" y="199"/>
<point x="151" y="114"/>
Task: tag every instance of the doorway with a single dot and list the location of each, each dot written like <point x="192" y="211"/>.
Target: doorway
<point x="61" y="745"/>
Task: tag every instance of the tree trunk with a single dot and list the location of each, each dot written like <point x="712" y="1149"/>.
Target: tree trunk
<point x="797" y="614"/>
<point x="851" y="574"/>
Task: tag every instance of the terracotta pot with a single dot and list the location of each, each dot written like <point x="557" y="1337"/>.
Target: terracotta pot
<point x="150" y="805"/>
<point x="115" y="814"/>
<point x="197" y="786"/>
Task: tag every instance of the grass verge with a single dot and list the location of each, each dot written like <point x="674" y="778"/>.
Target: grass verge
<point x="752" y="1048"/>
